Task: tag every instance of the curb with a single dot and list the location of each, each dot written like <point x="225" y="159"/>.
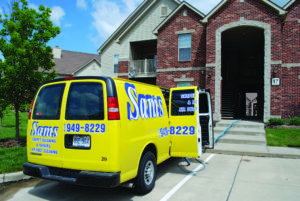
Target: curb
<point x="12" y="177"/>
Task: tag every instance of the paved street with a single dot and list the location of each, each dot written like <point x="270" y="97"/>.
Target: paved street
<point x="226" y="177"/>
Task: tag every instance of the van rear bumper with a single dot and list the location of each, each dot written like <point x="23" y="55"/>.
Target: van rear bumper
<point x="86" y="178"/>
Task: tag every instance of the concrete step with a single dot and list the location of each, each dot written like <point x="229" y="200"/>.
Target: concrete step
<point x="239" y="131"/>
<point x="255" y="150"/>
<point x="240" y="124"/>
<point x="243" y="139"/>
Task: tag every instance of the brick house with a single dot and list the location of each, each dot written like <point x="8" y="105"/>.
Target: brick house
<point x="240" y="47"/>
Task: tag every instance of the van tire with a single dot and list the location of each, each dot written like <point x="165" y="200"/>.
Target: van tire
<point x="145" y="180"/>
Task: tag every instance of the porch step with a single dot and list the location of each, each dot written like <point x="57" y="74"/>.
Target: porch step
<point x="243" y="139"/>
<point x="240" y="131"/>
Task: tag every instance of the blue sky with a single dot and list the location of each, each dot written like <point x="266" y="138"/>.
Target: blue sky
<point x="86" y="24"/>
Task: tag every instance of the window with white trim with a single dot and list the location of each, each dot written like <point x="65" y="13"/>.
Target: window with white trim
<point x="116" y="63"/>
<point x="184" y="47"/>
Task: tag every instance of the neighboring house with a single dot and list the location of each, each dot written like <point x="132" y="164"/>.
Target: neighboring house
<point x="241" y="46"/>
<point x="69" y="63"/>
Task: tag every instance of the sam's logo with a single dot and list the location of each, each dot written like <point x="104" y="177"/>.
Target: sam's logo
<point x="141" y="105"/>
<point x="43" y="131"/>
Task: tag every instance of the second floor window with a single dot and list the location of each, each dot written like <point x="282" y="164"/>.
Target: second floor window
<point x="116" y="63"/>
<point x="184" y="47"/>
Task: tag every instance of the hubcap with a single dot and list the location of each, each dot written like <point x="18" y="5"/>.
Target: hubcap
<point x="149" y="172"/>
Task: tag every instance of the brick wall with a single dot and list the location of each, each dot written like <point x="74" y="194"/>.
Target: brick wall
<point x="167" y="49"/>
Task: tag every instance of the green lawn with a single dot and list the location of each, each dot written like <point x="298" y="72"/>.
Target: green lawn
<point x="12" y="159"/>
<point x="283" y="137"/>
<point x="9" y="126"/>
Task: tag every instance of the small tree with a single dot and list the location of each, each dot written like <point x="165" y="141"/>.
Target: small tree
<point x="27" y="58"/>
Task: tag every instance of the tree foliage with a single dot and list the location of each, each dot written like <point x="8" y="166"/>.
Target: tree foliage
<point x="28" y="60"/>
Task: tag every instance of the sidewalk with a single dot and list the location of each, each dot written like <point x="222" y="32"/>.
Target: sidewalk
<point x="12" y="177"/>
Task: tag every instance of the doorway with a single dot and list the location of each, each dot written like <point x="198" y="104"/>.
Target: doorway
<point x="242" y="71"/>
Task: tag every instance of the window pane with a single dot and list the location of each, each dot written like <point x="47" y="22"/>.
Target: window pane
<point x="203" y="103"/>
<point x="85" y="102"/>
<point x="48" y="102"/>
<point x="185" y="41"/>
<point x="182" y="102"/>
<point x="185" y="54"/>
<point x="183" y="84"/>
<point x="116" y="62"/>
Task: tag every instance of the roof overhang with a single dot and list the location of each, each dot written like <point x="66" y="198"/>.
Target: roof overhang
<point x="268" y="2"/>
<point x="85" y="65"/>
<point x="288" y="4"/>
<point x="184" y="3"/>
<point x="122" y="29"/>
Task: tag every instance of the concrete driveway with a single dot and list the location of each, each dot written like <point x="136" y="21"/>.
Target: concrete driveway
<point x="226" y="177"/>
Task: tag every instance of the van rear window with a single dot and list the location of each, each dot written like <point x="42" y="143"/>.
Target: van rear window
<point x="85" y="101"/>
<point x="48" y="102"/>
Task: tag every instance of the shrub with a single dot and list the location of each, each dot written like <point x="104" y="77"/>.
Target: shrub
<point x="276" y="121"/>
<point x="294" y="121"/>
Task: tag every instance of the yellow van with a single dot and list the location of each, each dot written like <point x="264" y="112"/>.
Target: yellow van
<point x="102" y="131"/>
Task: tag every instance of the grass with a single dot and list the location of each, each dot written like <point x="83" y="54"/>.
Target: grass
<point x="12" y="159"/>
<point x="283" y="137"/>
<point x="9" y="126"/>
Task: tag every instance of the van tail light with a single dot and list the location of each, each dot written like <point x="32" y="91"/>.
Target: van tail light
<point x="113" y="108"/>
<point x="30" y="111"/>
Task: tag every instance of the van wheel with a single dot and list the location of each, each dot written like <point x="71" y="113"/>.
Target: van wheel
<point x="146" y="176"/>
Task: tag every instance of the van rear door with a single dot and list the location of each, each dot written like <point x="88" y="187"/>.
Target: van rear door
<point x="206" y="118"/>
<point x="185" y="129"/>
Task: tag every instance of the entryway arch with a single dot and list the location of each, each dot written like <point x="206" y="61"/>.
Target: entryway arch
<point x="266" y="64"/>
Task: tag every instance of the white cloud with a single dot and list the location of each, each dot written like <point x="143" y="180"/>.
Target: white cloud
<point x="81" y="4"/>
<point x="35" y="7"/>
<point x="68" y="25"/>
<point x="108" y="15"/>
<point x="57" y="14"/>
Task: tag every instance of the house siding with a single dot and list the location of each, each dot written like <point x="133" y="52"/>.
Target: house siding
<point x="93" y="68"/>
<point x="141" y="31"/>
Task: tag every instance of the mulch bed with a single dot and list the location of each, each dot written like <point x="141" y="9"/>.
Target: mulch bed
<point x="7" y="143"/>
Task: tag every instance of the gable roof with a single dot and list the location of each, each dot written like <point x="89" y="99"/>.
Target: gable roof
<point x="288" y="4"/>
<point x="184" y="3"/>
<point x="130" y="21"/>
<point x="268" y="2"/>
<point x="71" y="62"/>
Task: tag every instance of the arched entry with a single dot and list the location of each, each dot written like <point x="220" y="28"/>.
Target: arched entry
<point x="242" y="71"/>
<point x="267" y="64"/>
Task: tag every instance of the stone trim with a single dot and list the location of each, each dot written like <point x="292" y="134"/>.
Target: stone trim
<point x="276" y="62"/>
<point x="267" y="65"/>
<point x="290" y="65"/>
<point x="212" y="65"/>
<point x="185" y="31"/>
<point x="179" y="69"/>
<point x="183" y="79"/>
<point x="123" y="59"/>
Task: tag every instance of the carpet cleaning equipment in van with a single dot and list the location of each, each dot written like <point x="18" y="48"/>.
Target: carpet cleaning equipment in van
<point x="103" y="131"/>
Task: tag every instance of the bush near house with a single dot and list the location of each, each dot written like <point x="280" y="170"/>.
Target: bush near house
<point x="294" y="121"/>
<point x="276" y="121"/>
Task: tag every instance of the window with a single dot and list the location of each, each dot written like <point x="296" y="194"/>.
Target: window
<point x="183" y="84"/>
<point x="116" y="63"/>
<point x="48" y="102"/>
<point x="182" y="102"/>
<point x="85" y="101"/>
<point x="184" y="47"/>
<point x="164" y="11"/>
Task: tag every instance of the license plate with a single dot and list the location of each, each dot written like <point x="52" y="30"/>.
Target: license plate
<point x="82" y="141"/>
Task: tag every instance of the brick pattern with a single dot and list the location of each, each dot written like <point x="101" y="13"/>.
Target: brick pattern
<point x="123" y="67"/>
<point x="285" y="47"/>
<point x="167" y="48"/>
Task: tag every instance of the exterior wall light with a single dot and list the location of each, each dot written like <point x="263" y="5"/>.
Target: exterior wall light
<point x="275" y="70"/>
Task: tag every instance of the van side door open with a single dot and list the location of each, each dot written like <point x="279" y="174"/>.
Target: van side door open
<point x="185" y="129"/>
<point x="190" y="121"/>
